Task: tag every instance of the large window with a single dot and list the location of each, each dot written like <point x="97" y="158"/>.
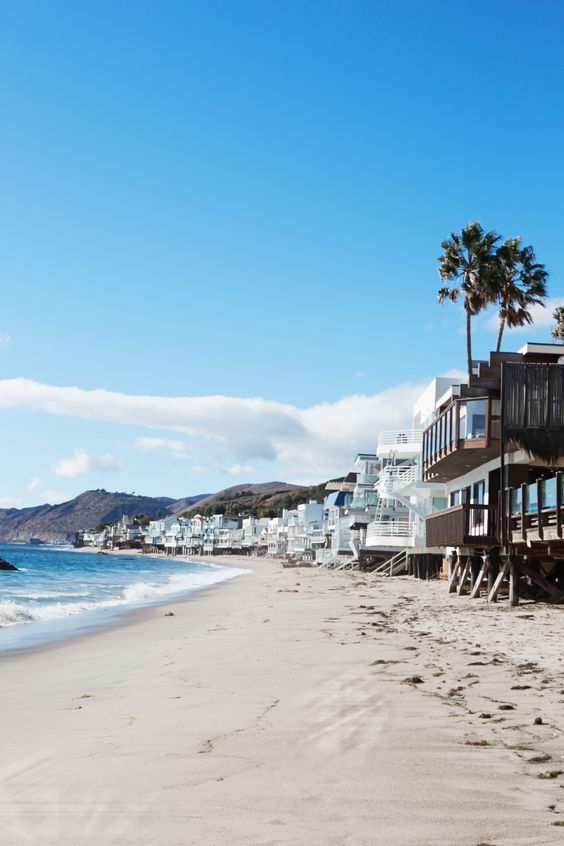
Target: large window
<point x="472" y="423"/>
<point x="478" y="493"/>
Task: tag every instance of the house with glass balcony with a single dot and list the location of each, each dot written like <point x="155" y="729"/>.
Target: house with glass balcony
<point x="404" y="498"/>
<point x="497" y="444"/>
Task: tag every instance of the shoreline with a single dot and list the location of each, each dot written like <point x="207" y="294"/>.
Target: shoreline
<point x="275" y="711"/>
<point x="91" y="621"/>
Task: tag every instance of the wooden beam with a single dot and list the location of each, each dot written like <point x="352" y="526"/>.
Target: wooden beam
<point x="464" y="575"/>
<point x="558" y="505"/>
<point x="537" y="577"/>
<point x="513" y="581"/>
<point x="481" y="576"/>
<point x="492" y="596"/>
<point x="539" y="509"/>
<point x="453" y="575"/>
<point x="493" y="569"/>
<point x="523" y="512"/>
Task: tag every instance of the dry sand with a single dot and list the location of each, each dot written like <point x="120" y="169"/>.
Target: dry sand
<point x="273" y="710"/>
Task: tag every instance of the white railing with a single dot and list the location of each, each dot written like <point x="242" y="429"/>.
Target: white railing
<point x="395" y="528"/>
<point x="396" y="477"/>
<point x="399" y="437"/>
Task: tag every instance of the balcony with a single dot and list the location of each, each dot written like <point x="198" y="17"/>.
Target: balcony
<point x="464" y="436"/>
<point x="462" y="525"/>
<point x="536" y="511"/>
<point x="402" y="442"/>
<point x="384" y="533"/>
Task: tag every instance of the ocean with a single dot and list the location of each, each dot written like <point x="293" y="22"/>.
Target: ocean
<point x="58" y="592"/>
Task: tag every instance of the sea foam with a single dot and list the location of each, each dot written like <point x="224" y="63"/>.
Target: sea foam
<point x="34" y="606"/>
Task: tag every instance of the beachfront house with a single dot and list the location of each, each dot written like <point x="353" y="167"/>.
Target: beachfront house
<point x="496" y="442"/>
<point x="254" y="533"/>
<point x="404" y="497"/>
<point x="305" y="530"/>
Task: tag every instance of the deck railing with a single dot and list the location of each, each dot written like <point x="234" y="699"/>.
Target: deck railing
<point x="399" y="437"/>
<point x="390" y="528"/>
<point x="462" y="525"/>
<point x="534" y="512"/>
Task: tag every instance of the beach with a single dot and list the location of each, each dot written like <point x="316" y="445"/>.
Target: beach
<point x="291" y="706"/>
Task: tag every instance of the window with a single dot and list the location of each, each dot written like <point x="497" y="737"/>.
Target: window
<point x="479" y="492"/>
<point x="454" y="498"/>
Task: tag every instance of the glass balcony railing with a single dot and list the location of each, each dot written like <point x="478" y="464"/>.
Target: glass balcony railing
<point x="528" y="496"/>
<point x="462" y="424"/>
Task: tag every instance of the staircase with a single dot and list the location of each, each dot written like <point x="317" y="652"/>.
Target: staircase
<point x="393" y="566"/>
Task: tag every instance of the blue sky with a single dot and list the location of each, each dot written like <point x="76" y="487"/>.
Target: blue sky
<point x="246" y="200"/>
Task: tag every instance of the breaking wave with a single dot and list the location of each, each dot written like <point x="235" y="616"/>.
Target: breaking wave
<point x="36" y="607"/>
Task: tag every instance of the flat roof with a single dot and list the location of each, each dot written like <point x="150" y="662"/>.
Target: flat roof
<point x="549" y="349"/>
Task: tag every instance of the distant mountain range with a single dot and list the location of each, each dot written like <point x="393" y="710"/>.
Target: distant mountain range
<point x="86" y="511"/>
<point x="59" y="522"/>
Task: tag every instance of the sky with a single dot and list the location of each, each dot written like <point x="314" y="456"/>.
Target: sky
<point x="220" y="225"/>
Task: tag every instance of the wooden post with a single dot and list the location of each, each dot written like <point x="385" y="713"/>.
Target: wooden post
<point x="481" y="575"/>
<point x="539" y="509"/>
<point x="537" y="577"/>
<point x="559" y="504"/>
<point x="513" y="581"/>
<point x="493" y="569"/>
<point x="454" y="567"/>
<point x="476" y="565"/>
<point x="523" y="511"/>
<point x="467" y="559"/>
<point x="492" y="596"/>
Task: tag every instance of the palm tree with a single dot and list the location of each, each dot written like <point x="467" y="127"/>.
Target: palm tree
<point x="469" y="262"/>
<point x="558" y="329"/>
<point x="521" y="283"/>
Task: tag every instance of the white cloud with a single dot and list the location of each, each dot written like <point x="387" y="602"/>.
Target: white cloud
<point x="10" y="502"/>
<point x="542" y="318"/>
<point x="241" y="470"/>
<point x="312" y="442"/>
<point x="5" y="340"/>
<point x="52" y="497"/>
<point x="176" y="448"/>
<point x="202" y="468"/>
<point x="83" y="462"/>
<point x="34" y="483"/>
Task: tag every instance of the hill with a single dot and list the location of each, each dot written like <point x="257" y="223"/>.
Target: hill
<point x="60" y="522"/>
<point x="91" y="508"/>
<point x="227" y="494"/>
<point x="267" y="500"/>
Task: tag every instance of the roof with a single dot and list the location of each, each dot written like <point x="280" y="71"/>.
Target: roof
<point x="544" y="349"/>
<point x="337" y="498"/>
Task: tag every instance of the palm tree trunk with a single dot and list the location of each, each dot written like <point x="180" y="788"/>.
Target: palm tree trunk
<point x="500" y="333"/>
<point x="469" y="343"/>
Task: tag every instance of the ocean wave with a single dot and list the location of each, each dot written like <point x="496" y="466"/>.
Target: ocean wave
<point x="14" y="612"/>
<point x="47" y="594"/>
